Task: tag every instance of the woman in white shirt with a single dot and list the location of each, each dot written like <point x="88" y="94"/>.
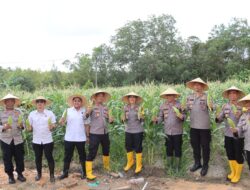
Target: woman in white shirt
<point x="75" y="135"/>
<point x="42" y="121"/>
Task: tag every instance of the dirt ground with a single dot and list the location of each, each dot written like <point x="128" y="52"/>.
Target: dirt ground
<point x="155" y="179"/>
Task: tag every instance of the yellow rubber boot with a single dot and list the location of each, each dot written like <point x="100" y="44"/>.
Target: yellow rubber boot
<point x="105" y="160"/>
<point x="237" y="175"/>
<point x="130" y="161"/>
<point x="138" y="163"/>
<point x="89" y="174"/>
<point x="232" y="165"/>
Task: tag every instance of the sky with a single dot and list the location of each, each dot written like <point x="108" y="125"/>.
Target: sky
<point x="36" y="34"/>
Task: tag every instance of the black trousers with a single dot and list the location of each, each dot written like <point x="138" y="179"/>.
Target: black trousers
<point x="94" y="141"/>
<point x="248" y="158"/>
<point x="69" y="148"/>
<point x="9" y="151"/>
<point x="174" y="145"/>
<point x="200" y="141"/>
<point x="133" y="142"/>
<point x="48" y="151"/>
<point x="234" y="149"/>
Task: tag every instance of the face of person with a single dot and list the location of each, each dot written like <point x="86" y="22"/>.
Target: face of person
<point x="198" y="87"/>
<point x="233" y="95"/>
<point x="132" y="99"/>
<point x="40" y="105"/>
<point x="99" y="98"/>
<point x="77" y="102"/>
<point x="9" y="103"/>
<point x="170" y="98"/>
<point x="247" y="106"/>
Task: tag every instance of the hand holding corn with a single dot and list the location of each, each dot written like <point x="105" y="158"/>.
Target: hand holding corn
<point x="177" y="112"/>
<point x="28" y="126"/>
<point x="209" y="102"/>
<point x="141" y="113"/>
<point x="9" y="123"/>
<point x="89" y="107"/>
<point x="64" y="117"/>
<point x="20" y="121"/>
<point x="50" y="124"/>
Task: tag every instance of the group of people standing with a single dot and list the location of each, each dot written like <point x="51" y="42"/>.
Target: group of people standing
<point x="89" y="123"/>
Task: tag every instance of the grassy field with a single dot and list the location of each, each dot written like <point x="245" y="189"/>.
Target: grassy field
<point x="154" y="149"/>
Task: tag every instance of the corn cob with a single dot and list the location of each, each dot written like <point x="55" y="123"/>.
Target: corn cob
<point x="10" y="121"/>
<point x="184" y="103"/>
<point x="65" y="113"/>
<point x="177" y="111"/>
<point x="244" y="109"/>
<point x="49" y="122"/>
<point x="27" y="123"/>
<point x="110" y="113"/>
<point x="20" y="120"/>
<point x="141" y="112"/>
<point x="230" y="122"/>
<point x="218" y="110"/>
<point x="234" y="109"/>
<point x="209" y="101"/>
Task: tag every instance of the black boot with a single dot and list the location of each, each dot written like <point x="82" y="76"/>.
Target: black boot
<point x="11" y="178"/>
<point x="197" y="165"/>
<point x="65" y="171"/>
<point x="51" y="172"/>
<point x="83" y="171"/>
<point x="52" y="178"/>
<point x="21" y="178"/>
<point x="204" y="170"/>
<point x="38" y="176"/>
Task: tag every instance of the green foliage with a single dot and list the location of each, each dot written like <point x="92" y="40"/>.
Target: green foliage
<point x="154" y="138"/>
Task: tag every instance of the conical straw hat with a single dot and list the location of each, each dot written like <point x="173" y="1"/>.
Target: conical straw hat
<point x="225" y="93"/>
<point x="107" y="96"/>
<point x="242" y="102"/>
<point x="191" y="83"/>
<point x="169" y="91"/>
<point x="126" y="97"/>
<point x="10" y="96"/>
<point x="70" y="99"/>
<point x="48" y="102"/>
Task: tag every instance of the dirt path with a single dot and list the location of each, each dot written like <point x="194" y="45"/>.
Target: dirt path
<point x="108" y="182"/>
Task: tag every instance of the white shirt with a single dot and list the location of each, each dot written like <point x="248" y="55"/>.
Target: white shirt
<point x="75" y="129"/>
<point x="39" y="123"/>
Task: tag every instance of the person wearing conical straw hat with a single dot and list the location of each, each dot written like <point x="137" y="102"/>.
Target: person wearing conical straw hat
<point x="41" y="122"/>
<point x="199" y="104"/>
<point x="172" y="116"/>
<point x="99" y="116"/>
<point x="231" y="111"/>
<point x="75" y="136"/>
<point x="243" y="131"/>
<point x="133" y="116"/>
<point x="11" y="125"/>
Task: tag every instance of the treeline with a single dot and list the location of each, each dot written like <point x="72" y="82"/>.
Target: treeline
<point x="150" y="50"/>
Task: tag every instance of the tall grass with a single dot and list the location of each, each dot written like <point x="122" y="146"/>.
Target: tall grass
<point x="154" y="139"/>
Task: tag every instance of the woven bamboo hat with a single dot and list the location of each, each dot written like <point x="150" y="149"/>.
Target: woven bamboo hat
<point x="71" y="98"/>
<point x="169" y="91"/>
<point x="242" y="102"/>
<point x="126" y="97"/>
<point x="191" y="83"/>
<point x="10" y="96"/>
<point x="233" y="88"/>
<point x="47" y="102"/>
<point x="107" y="96"/>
